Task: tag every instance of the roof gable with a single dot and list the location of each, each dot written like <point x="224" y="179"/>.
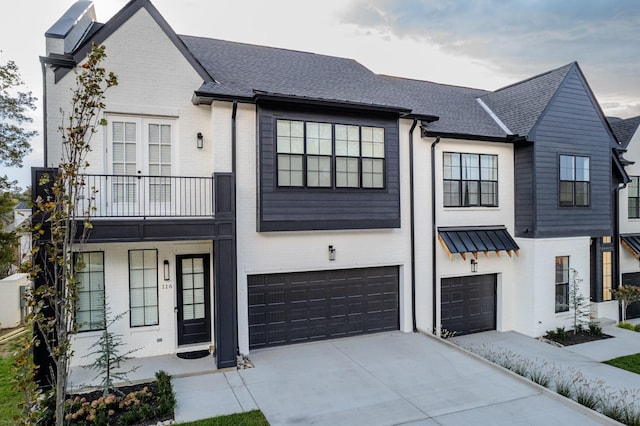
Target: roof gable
<point x="101" y="32"/>
<point x="520" y="105"/>
<point x="625" y="129"/>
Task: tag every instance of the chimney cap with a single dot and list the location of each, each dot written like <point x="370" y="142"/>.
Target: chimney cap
<point x="67" y="22"/>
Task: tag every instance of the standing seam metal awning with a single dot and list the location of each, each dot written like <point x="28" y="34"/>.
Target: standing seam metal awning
<point x="632" y="243"/>
<point x="485" y="239"/>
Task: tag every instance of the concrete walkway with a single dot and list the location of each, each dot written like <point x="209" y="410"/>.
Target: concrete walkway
<point x="382" y="379"/>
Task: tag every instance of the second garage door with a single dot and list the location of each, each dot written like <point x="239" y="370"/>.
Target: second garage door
<point x="469" y="304"/>
<point x="316" y="305"/>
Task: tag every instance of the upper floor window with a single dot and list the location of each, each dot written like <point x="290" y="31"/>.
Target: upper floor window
<point x="325" y="155"/>
<point x="90" y="313"/>
<point x="634" y="198"/>
<point x="562" y="284"/>
<point x="574" y="180"/>
<point x="470" y="180"/>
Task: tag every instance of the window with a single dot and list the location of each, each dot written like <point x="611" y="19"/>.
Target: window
<point x="90" y="313"/>
<point x="470" y="180"/>
<point x="562" y="284"/>
<point x="574" y="181"/>
<point x="143" y="287"/>
<point x="634" y="198"/>
<point x="141" y="146"/>
<point x="325" y="155"/>
<point x="607" y="268"/>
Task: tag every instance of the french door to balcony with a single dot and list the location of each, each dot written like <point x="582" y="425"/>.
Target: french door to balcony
<point x="141" y="166"/>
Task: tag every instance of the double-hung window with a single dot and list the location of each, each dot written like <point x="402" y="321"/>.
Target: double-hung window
<point x="634" y="197"/>
<point x="90" y="314"/>
<point x="470" y="180"/>
<point x="562" y="284"/>
<point x="325" y="155"/>
<point x="143" y="287"/>
<point x="574" y="181"/>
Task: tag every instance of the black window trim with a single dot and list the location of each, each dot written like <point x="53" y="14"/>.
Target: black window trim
<point x="565" y="285"/>
<point x="480" y="181"/>
<point x="636" y="197"/>
<point x="574" y="205"/>
<point x="104" y="289"/>
<point x="333" y="188"/>
<point x="157" y="287"/>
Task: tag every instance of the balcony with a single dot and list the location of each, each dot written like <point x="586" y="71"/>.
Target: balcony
<point x="137" y="196"/>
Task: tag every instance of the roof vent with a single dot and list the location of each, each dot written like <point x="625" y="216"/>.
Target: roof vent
<point x="70" y="29"/>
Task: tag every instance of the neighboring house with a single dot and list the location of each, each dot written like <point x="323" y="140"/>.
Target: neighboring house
<point x="629" y="212"/>
<point x="252" y="196"/>
<point x="22" y="212"/>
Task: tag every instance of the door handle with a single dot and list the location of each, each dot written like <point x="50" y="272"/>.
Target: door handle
<point x="175" y="309"/>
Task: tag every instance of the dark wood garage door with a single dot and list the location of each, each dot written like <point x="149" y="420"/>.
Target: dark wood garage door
<point x="317" y="305"/>
<point x="469" y="304"/>
<point x="633" y="310"/>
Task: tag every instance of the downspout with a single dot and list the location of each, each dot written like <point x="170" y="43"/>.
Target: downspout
<point x="434" y="232"/>
<point x="235" y="211"/>
<point x="616" y="240"/>
<point x="412" y="214"/>
<point x="45" y="114"/>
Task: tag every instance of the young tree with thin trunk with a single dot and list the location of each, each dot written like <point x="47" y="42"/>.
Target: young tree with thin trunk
<point x="60" y="225"/>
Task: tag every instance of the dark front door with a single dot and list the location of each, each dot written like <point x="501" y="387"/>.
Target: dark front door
<point x="468" y="304"/>
<point x="194" y="298"/>
<point x="316" y="305"/>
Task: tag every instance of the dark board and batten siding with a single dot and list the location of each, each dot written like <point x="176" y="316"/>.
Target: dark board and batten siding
<point x="571" y="125"/>
<point x="295" y="209"/>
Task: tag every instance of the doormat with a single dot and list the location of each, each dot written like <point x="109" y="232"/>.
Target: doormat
<point x="193" y="354"/>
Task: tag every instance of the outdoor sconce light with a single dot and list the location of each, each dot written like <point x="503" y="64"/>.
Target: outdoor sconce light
<point x="166" y="270"/>
<point x="474" y="265"/>
<point x="332" y="253"/>
<point x="199" y="140"/>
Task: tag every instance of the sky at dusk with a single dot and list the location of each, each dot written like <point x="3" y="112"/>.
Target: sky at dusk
<point x="485" y="44"/>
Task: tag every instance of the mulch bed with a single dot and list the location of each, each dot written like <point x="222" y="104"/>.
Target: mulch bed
<point x="582" y="336"/>
<point x="151" y="387"/>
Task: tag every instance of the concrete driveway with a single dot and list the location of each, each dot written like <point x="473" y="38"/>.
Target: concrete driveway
<point x="381" y="379"/>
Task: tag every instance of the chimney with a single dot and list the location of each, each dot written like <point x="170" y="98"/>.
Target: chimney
<point x="70" y="29"/>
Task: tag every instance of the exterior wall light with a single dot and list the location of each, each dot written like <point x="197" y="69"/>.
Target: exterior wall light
<point x="474" y="265"/>
<point x="332" y="253"/>
<point x="166" y="270"/>
<point x="199" y="140"/>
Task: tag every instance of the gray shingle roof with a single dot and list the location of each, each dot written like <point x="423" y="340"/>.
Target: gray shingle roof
<point x="625" y="129"/>
<point x="241" y="69"/>
<point x="520" y="105"/>
<point x="456" y="106"/>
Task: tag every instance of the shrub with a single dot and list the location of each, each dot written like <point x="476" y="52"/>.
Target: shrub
<point x="595" y="328"/>
<point x="166" y="396"/>
<point x="539" y="374"/>
<point x="587" y="393"/>
<point x="563" y="384"/>
<point x="561" y="333"/>
<point x="550" y="334"/>
<point x="637" y="327"/>
<point x="625" y="325"/>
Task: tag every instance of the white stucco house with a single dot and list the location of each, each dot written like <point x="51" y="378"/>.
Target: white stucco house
<point x="251" y="196"/>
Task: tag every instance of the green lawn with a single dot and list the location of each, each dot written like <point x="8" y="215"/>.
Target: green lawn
<point x="9" y="398"/>
<point x="250" y="418"/>
<point x="629" y="363"/>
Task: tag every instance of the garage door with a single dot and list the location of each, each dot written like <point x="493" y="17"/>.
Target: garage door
<point x="633" y="310"/>
<point x="469" y="303"/>
<point x="306" y="306"/>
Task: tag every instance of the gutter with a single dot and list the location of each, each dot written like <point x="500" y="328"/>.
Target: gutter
<point x="413" y="232"/>
<point x="434" y="231"/>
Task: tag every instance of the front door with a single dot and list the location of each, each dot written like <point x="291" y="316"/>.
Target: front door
<point x="194" y="295"/>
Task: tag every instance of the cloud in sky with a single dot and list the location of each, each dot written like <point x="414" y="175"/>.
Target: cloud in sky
<point x="524" y="38"/>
